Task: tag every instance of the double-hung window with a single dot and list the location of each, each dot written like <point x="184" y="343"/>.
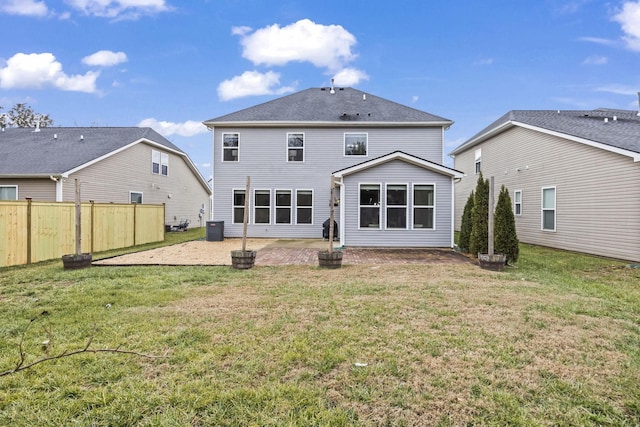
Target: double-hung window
<point x="230" y="147"/>
<point x="370" y="206"/>
<point x="8" y="192"/>
<point x="424" y="203"/>
<point x="549" y="208"/>
<point x="238" y="206"/>
<point x="159" y="163"/>
<point x="355" y="144"/>
<point x="478" y="162"/>
<point x="295" y="147"/>
<point x="517" y="202"/>
<point x="283" y="206"/>
<point x="396" y="206"/>
<point x="304" y="206"/>
<point x="262" y="207"/>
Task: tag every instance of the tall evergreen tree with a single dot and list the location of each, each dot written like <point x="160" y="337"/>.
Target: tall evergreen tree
<point x="479" y="242"/>
<point x="506" y="238"/>
<point x="466" y="225"/>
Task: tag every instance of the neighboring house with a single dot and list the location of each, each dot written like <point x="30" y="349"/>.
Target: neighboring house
<point x="386" y="158"/>
<point x="114" y="165"/>
<point x="573" y="177"/>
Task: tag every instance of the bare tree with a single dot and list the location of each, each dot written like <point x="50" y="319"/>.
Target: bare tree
<point x="23" y="116"/>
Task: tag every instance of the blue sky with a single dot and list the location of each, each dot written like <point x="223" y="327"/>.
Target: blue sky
<point x="171" y="64"/>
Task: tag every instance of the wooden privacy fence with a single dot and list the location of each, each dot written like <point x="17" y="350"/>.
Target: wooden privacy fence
<point x="37" y="231"/>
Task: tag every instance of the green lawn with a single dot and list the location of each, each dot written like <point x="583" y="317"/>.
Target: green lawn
<point x="555" y="341"/>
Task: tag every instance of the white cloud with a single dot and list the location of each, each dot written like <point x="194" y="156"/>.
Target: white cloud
<point x="188" y="128"/>
<point x="349" y="77"/>
<point x="119" y="9"/>
<point x="598" y="40"/>
<point x="252" y="83"/>
<point x="40" y="70"/>
<point x="596" y="60"/>
<point x="629" y="18"/>
<point x="325" y="46"/>
<point x="484" y="61"/>
<point x="24" y="7"/>
<point x="618" y="89"/>
<point x="105" y="58"/>
<point x="414" y="99"/>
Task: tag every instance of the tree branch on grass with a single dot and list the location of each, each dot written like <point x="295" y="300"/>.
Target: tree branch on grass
<point x="21" y="366"/>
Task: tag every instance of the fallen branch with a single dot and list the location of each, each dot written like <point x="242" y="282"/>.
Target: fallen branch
<point x="20" y="366"/>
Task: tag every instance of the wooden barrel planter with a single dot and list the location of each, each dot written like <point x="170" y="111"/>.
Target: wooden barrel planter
<point x="328" y="259"/>
<point x="495" y="262"/>
<point x="76" y="261"/>
<point x="243" y="260"/>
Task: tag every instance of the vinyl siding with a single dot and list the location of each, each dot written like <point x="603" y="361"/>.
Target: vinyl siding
<point x="37" y="189"/>
<point x="597" y="192"/>
<point x="111" y="180"/>
<point x="262" y="156"/>
<point x="398" y="172"/>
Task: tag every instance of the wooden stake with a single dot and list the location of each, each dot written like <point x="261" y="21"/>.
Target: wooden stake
<point x="490" y="217"/>
<point x="331" y="213"/>
<point x="78" y="219"/>
<point x="246" y="214"/>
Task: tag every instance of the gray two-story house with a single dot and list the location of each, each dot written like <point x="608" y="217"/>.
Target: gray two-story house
<point x="386" y="159"/>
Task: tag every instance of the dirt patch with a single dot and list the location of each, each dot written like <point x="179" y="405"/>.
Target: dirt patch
<point x="279" y="252"/>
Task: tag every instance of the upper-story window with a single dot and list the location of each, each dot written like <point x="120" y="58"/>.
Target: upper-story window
<point x="8" y="192"/>
<point x="355" y="144"/>
<point x="517" y="202"/>
<point x="478" y="160"/>
<point x="295" y="147"/>
<point x="230" y="147"/>
<point x="159" y="163"/>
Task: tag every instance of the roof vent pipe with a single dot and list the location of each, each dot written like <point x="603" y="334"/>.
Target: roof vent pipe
<point x="55" y="136"/>
<point x="606" y="119"/>
<point x="81" y="137"/>
<point x="334" y="91"/>
<point x="615" y="118"/>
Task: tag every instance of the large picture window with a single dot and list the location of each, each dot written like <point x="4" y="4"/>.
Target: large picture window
<point x="262" y="206"/>
<point x="9" y="192"/>
<point x="549" y="209"/>
<point x="396" y="206"/>
<point x="424" y="203"/>
<point x="355" y="144"/>
<point x="295" y="147"/>
<point x="283" y="206"/>
<point x="238" y="206"/>
<point x="369" y="206"/>
<point x="304" y="206"/>
<point x="230" y="147"/>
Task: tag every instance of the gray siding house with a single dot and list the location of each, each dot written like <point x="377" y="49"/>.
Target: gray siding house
<point x="573" y="177"/>
<point x="119" y="165"/>
<point x="392" y="189"/>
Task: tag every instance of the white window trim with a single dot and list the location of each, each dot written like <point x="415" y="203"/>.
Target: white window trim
<point x="223" y="147"/>
<point x="515" y="203"/>
<point x="234" y="206"/>
<point x="271" y="203"/>
<point x="413" y="205"/>
<point x="477" y="165"/>
<point x="275" y="206"/>
<point x="344" y="144"/>
<point x="406" y="206"/>
<point x="136" y="192"/>
<point x="11" y="186"/>
<point x="543" y="209"/>
<point x="304" y="137"/>
<point x="380" y="217"/>
<point x="295" y="203"/>
<point x="163" y="160"/>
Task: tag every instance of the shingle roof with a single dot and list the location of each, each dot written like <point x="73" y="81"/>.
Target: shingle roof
<point x="56" y="150"/>
<point x="620" y="130"/>
<point x="319" y="105"/>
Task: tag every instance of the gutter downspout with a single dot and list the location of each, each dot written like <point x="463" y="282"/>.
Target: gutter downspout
<point x="58" y="180"/>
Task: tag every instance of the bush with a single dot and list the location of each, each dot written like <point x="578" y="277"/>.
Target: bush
<point x="479" y="242"/>
<point x="506" y="238"/>
<point x="467" y="224"/>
